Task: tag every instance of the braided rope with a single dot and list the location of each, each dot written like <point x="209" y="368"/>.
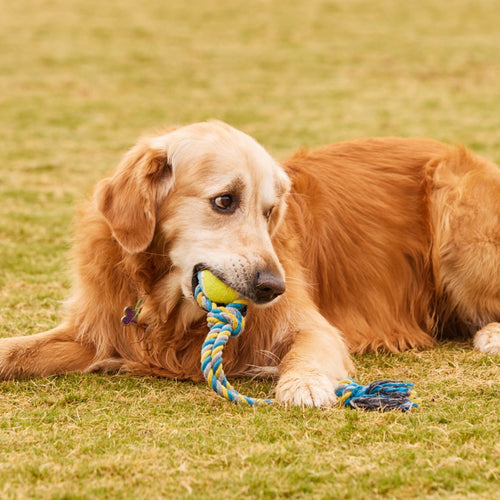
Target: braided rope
<point x="224" y="322"/>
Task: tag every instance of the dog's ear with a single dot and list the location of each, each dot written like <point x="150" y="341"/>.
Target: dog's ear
<point x="130" y="198"/>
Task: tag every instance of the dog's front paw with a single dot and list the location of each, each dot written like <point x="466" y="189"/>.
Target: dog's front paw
<point x="488" y="339"/>
<point x="305" y="389"/>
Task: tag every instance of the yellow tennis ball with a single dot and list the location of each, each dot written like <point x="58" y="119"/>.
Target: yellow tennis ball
<point x="216" y="290"/>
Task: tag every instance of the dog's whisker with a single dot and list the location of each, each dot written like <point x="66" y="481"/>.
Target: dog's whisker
<point x="262" y="372"/>
<point x="155" y="254"/>
<point x="270" y="355"/>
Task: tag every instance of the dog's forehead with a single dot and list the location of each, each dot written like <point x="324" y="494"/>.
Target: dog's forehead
<point x="219" y="155"/>
<point x="247" y="170"/>
<point x="255" y="171"/>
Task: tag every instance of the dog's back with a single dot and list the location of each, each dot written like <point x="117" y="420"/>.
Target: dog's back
<point x="362" y="208"/>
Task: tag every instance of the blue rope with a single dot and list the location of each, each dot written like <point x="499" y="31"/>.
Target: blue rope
<point x="380" y="395"/>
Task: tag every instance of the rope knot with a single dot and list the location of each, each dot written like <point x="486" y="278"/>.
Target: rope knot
<point x="231" y="317"/>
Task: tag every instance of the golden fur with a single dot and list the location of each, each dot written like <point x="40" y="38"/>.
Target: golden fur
<point x="383" y="243"/>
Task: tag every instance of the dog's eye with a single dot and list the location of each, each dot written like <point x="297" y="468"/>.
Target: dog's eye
<point x="267" y="214"/>
<point x="224" y="203"/>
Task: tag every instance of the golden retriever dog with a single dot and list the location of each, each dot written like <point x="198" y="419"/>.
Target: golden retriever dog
<point x="370" y="244"/>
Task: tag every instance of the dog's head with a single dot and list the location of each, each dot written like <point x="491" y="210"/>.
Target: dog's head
<point x="213" y="194"/>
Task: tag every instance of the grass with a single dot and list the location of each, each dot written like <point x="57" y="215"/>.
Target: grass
<point x="80" y="81"/>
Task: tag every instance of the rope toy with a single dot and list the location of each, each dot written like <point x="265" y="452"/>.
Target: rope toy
<point x="226" y="318"/>
<point x="379" y="395"/>
<point x="225" y="321"/>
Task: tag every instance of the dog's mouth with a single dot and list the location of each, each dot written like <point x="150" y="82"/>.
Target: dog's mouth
<point x="194" y="280"/>
<point x="263" y="289"/>
<point x="203" y="267"/>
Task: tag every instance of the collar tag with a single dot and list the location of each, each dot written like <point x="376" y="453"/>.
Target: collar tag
<point x="130" y="314"/>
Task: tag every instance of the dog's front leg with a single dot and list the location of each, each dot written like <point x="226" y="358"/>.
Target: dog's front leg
<point x="316" y="361"/>
<point x="49" y="353"/>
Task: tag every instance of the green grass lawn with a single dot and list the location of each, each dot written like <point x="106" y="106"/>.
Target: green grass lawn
<point x="80" y="80"/>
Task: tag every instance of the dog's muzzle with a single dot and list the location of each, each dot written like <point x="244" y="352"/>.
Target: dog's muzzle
<point x="262" y="289"/>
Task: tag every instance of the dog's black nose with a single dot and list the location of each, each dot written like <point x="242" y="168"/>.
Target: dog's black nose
<point x="268" y="286"/>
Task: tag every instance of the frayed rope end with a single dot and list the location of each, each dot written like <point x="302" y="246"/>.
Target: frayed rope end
<point x="380" y="395"/>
